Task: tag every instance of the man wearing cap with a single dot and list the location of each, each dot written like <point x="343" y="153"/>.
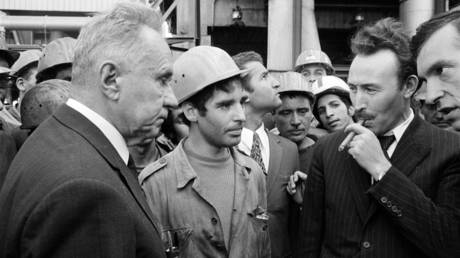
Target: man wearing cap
<point x="394" y="190"/>
<point x="277" y="156"/>
<point x="313" y="64"/>
<point x="8" y="92"/>
<point x="209" y="198"/>
<point x="25" y="70"/>
<point x="332" y="108"/>
<point x="436" y="50"/>
<point x="69" y="191"/>
<point x="56" y="60"/>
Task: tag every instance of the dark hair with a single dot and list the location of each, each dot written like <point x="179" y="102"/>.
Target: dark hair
<point x="293" y="94"/>
<point x="245" y="57"/>
<point x="199" y="99"/>
<point x="27" y="71"/>
<point x="387" y="34"/>
<point x="343" y="96"/>
<point x="428" y="28"/>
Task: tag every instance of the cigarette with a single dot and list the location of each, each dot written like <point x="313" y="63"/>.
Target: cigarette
<point x="349" y="137"/>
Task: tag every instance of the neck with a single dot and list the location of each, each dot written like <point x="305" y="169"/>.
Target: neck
<point x="254" y="118"/>
<point x="143" y="154"/>
<point x="201" y="146"/>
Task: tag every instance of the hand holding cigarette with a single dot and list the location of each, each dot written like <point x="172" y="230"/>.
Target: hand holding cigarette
<point x="350" y="136"/>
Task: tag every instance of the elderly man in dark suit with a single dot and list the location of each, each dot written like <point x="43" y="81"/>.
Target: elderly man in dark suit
<point x="69" y="191"/>
<point x="399" y="198"/>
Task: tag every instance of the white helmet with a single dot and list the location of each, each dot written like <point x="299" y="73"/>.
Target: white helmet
<point x="313" y="56"/>
<point x="200" y="67"/>
<point x="329" y="85"/>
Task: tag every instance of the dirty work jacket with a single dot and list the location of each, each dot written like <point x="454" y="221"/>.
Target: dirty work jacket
<point x="173" y="193"/>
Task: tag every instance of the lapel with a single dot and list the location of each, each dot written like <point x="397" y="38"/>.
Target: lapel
<point x="78" y="123"/>
<point x="409" y="152"/>
<point x="276" y="154"/>
<point x="358" y="181"/>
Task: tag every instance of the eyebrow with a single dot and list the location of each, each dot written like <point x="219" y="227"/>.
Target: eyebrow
<point x="225" y="102"/>
<point x="440" y="63"/>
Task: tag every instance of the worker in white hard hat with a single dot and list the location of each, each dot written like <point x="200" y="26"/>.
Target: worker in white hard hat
<point x="25" y="70"/>
<point x="205" y="193"/>
<point x="313" y="64"/>
<point x="277" y="155"/>
<point x="333" y="108"/>
<point x="56" y="60"/>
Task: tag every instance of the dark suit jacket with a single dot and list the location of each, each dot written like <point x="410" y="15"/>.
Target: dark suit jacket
<point x="69" y="194"/>
<point x="414" y="211"/>
<point x="284" y="160"/>
<point x="7" y="153"/>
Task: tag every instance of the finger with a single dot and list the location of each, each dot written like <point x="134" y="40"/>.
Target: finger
<point x="301" y="175"/>
<point x="356" y="128"/>
<point x="295" y="177"/>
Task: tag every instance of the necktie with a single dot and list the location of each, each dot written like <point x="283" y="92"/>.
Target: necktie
<point x="386" y="141"/>
<point x="256" y="153"/>
<point x="132" y="166"/>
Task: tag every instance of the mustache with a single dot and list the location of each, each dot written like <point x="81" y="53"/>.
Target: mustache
<point x="363" y="115"/>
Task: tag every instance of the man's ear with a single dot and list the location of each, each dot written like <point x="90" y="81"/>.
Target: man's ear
<point x="190" y="112"/>
<point x="410" y="86"/>
<point x="20" y="84"/>
<point x="110" y="76"/>
<point x="351" y="110"/>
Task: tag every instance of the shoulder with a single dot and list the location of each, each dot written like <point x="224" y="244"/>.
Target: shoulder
<point x="283" y="142"/>
<point x="155" y="167"/>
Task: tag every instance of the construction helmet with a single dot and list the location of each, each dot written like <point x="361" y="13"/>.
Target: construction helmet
<point x="313" y="56"/>
<point x="200" y="67"/>
<point x="41" y="101"/>
<point x="25" y="59"/>
<point x="57" y="52"/>
<point x="329" y="84"/>
<point x="295" y="82"/>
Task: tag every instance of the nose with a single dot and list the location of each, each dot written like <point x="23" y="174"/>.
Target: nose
<point x="329" y="112"/>
<point x="434" y="92"/>
<point x="239" y="113"/>
<point x="295" y="120"/>
<point x="169" y="99"/>
<point x="358" y="100"/>
<point x="275" y="83"/>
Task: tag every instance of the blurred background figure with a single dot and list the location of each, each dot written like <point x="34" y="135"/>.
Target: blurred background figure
<point x="25" y="70"/>
<point x="294" y="116"/>
<point x="8" y="92"/>
<point x="41" y="101"/>
<point x="332" y="108"/>
<point x="313" y="64"/>
<point x="7" y="57"/>
<point x="56" y="60"/>
<point x="174" y="129"/>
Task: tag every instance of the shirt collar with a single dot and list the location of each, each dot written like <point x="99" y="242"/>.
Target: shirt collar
<point x="245" y="144"/>
<point x="399" y="130"/>
<point x="105" y="126"/>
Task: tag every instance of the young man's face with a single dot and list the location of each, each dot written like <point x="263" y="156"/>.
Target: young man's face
<point x="222" y="123"/>
<point x="375" y="90"/>
<point x="293" y="118"/>
<point x="313" y="72"/>
<point x="333" y="112"/>
<point x="262" y="87"/>
<point x="438" y="66"/>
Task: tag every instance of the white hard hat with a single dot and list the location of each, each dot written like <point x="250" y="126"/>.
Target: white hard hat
<point x="313" y="56"/>
<point x="294" y="82"/>
<point x="57" y="52"/>
<point x="329" y="83"/>
<point x="25" y="58"/>
<point x="200" y="67"/>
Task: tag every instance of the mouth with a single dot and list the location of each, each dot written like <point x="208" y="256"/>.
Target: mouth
<point x="235" y="130"/>
<point x="296" y="132"/>
<point x="333" y="123"/>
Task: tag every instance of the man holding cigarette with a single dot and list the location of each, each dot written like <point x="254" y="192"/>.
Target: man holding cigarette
<point x="393" y="191"/>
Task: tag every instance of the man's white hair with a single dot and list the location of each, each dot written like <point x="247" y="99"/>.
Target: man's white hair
<point x="112" y="36"/>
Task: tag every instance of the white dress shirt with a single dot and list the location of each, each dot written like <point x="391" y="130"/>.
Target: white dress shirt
<point x="246" y="143"/>
<point x="398" y="132"/>
<point x="105" y="126"/>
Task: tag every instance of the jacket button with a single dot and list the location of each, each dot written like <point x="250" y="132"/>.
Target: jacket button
<point x="389" y="204"/>
<point x="384" y="199"/>
<point x="366" y="244"/>
<point x="214" y="221"/>
<point x="395" y="209"/>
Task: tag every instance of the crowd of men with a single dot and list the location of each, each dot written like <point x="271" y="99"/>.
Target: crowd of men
<point x="108" y="148"/>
